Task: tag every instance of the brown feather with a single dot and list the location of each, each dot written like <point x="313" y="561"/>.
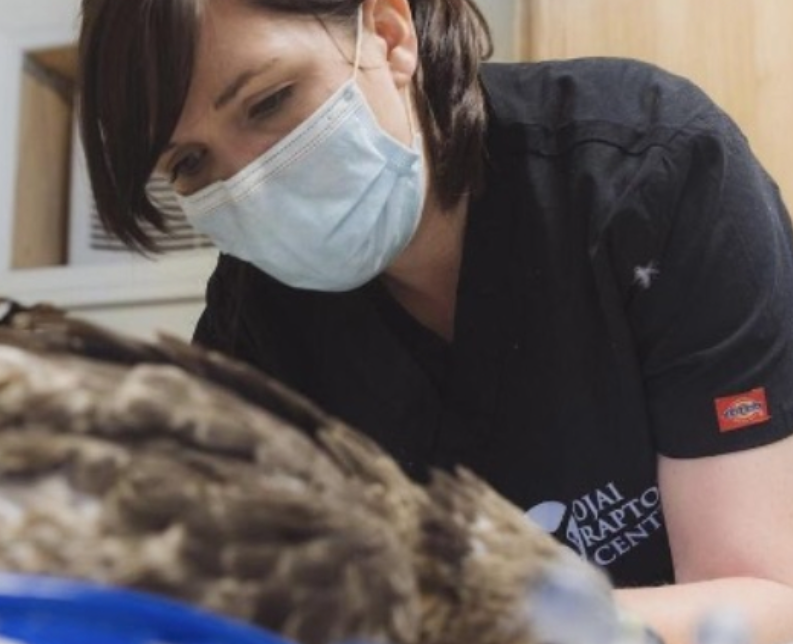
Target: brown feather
<point x="164" y="467"/>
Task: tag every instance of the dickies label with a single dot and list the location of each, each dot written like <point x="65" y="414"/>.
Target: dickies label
<point x="743" y="410"/>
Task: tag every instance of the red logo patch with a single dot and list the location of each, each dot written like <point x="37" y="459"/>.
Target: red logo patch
<point x="743" y="410"/>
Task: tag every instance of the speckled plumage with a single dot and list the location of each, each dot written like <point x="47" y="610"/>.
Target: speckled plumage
<point x="167" y="468"/>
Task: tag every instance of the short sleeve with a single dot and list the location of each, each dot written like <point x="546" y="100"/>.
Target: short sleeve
<point x="706" y="265"/>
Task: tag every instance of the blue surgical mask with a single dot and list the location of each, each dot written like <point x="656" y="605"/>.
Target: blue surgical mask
<point x="328" y="207"/>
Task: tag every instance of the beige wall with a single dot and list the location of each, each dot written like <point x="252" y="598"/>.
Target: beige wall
<point x="500" y="16"/>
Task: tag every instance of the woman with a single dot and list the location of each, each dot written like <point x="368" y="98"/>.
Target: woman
<point x="571" y="277"/>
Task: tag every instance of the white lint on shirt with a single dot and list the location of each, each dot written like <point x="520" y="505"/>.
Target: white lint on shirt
<point x="644" y="275"/>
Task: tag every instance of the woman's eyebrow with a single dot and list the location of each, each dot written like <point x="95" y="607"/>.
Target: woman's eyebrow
<point x="232" y="90"/>
<point x="241" y="81"/>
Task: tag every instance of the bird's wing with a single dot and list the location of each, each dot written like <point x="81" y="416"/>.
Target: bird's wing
<point x="483" y="552"/>
<point x="167" y="467"/>
<point x="143" y="474"/>
<point x="49" y="329"/>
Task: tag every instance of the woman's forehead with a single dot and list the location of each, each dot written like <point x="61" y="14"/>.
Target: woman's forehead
<point x="234" y="33"/>
<point x="224" y="22"/>
<point x="237" y="42"/>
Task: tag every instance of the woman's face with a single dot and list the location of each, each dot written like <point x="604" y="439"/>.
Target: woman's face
<point x="260" y="73"/>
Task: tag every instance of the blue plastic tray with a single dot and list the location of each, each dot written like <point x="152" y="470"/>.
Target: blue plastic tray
<point x="46" y="610"/>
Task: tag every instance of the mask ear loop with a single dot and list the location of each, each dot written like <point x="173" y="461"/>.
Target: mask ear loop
<point x="356" y="63"/>
<point x="358" y="42"/>
<point x="409" y="108"/>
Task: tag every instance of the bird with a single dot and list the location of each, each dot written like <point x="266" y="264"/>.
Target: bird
<point x="168" y="468"/>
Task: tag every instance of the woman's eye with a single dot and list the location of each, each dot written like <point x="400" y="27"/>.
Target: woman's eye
<point x="269" y="105"/>
<point x="187" y="166"/>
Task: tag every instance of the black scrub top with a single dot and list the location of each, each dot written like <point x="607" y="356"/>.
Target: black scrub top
<point x="625" y="291"/>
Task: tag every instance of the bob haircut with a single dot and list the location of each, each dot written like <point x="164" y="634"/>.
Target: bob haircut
<point x="136" y="60"/>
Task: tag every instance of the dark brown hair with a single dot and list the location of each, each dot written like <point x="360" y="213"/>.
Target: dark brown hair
<point x="136" y="61"/>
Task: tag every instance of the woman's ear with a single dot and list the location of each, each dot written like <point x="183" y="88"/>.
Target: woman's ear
<point x="391" y="22"/>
